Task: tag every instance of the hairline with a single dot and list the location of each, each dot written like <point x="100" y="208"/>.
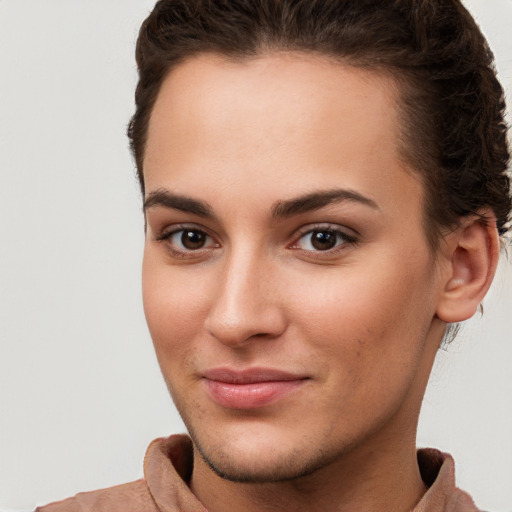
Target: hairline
<point x="401" y="85"/>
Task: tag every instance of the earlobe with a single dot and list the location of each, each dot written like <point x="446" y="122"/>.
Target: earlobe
<point x="472" y="257"/>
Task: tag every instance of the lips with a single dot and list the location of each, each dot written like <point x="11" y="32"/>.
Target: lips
<point x="252" y="388"/>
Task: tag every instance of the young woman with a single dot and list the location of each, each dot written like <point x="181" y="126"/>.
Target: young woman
<point x="325" y="186"/>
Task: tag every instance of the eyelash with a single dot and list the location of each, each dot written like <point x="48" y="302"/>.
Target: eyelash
<point x="166" y="236"/>
<point x="342" y="240"/>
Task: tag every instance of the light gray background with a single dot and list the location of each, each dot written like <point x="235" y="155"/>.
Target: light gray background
<point x="80" y="391"/>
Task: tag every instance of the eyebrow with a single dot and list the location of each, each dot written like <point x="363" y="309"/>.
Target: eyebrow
<point x="166" y="199"/>
<point x="317" y="200"/>
<point x="281" y="209"/>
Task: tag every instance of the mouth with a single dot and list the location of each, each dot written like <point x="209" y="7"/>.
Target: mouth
<point x="251" y="388"/>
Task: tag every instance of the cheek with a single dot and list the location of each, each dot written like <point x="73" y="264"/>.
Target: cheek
<point x="369" y="333"/>
<point x="355" y="298"/>
<point x="174" y="306"/>
<point x="368" y="318"/>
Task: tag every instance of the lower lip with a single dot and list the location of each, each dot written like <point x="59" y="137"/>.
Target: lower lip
<point x="250" y="396"/>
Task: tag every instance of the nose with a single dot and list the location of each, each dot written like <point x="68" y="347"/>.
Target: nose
<point x="246" y="302"/>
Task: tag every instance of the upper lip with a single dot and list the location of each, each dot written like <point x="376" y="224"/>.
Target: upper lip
<point x="250" y="375"/>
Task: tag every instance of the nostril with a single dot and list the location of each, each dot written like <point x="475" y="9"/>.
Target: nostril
<point x="248" y="325"/>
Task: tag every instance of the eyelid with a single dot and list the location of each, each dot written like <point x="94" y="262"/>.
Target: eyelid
<point x="163" y="236"/>
<point x="327" y="226"/>
<point x="350" y="237"/>
<point x="169" y="230"/>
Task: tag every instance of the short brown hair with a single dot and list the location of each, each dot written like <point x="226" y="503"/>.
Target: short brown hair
<point x="454" y="133"/>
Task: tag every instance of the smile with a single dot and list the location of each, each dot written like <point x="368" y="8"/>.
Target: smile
<point x="250" y="389"/>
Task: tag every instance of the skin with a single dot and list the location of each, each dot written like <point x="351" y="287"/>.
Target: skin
<point x="360" y="322"/>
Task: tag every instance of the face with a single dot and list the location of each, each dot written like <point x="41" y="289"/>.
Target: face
<point x="288" y="285"/>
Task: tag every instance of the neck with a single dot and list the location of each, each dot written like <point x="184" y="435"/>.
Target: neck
<point x="361" y="481"/>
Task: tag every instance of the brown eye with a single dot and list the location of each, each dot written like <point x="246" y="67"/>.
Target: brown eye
<point x="192" y="239"/>
<point x="188" y="240"/>
<point x="323" y="240"/>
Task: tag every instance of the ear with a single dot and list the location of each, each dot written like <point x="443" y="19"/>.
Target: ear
<point x="471" y="258"/>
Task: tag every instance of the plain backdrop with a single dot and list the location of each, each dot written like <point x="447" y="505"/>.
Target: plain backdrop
<point x="81" y="395"/>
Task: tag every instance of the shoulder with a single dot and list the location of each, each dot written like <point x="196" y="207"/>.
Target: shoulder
<point x="131" y="497"/>
<point x="167" y="469"/>
<point x="438" y="472"/>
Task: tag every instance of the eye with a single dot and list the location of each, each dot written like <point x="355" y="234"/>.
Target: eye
<point x="323" y="239"/>
<point x="187" y="239"/>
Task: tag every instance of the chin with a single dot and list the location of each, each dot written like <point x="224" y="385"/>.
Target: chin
<point x="260" y="468"/>
<point x="257" y="460"/>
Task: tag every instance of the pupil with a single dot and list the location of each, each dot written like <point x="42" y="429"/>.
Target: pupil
<point x="323" y="240"/>
<point x="193" y="239"/>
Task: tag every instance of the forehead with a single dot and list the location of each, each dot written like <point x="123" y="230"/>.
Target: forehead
<point x="299" y="118"/>
<point x="292" y="91"/>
